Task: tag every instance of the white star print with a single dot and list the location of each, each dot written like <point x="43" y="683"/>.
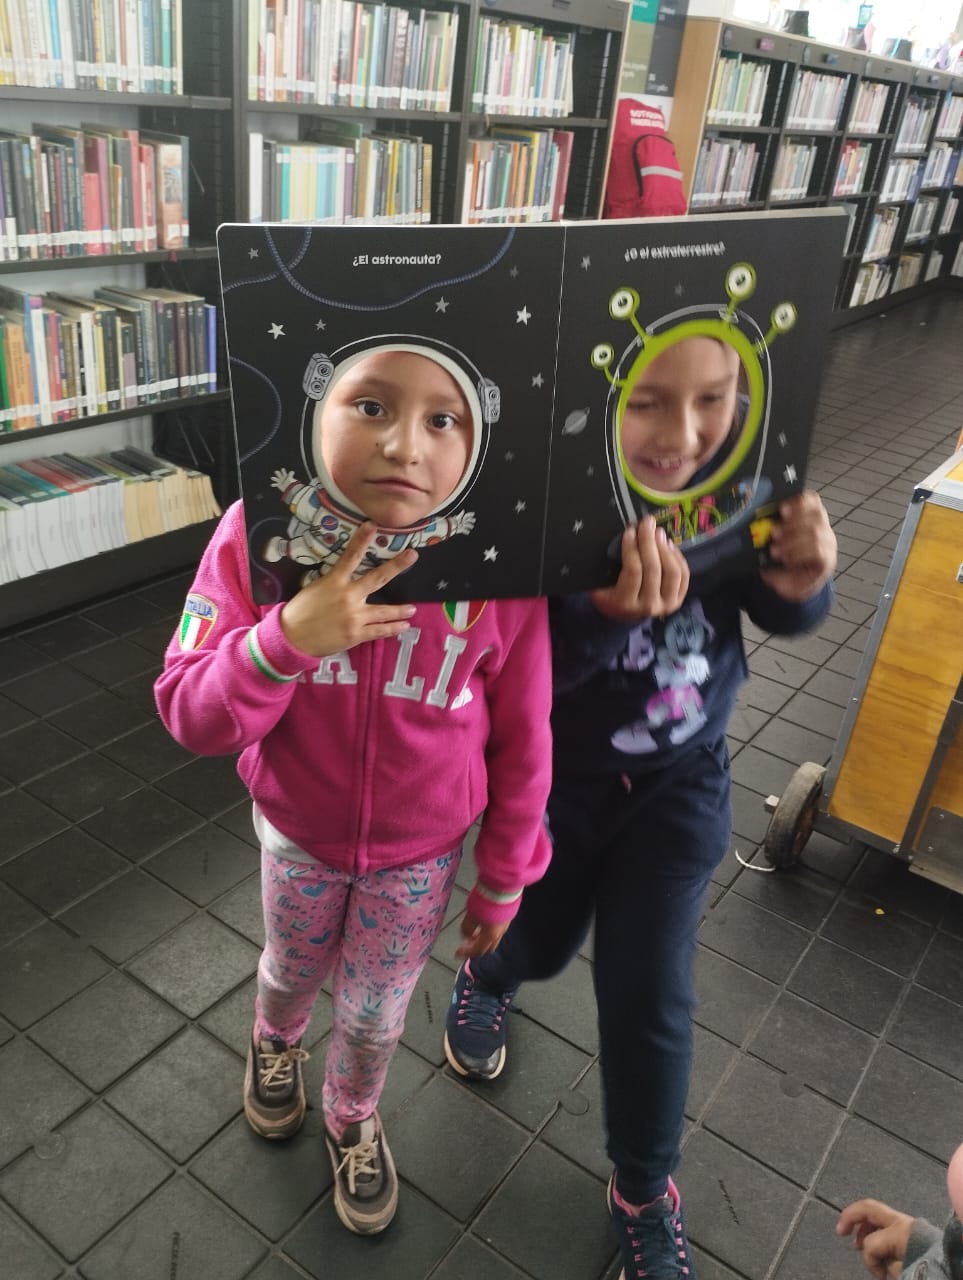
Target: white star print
<point x="782" y="438"/>
<point x="679" y="290"/>
<point x="320" y="325"/>
<point x="523" y="316"/>
<point x="443" y="585"/>
<point x="491" y="553"/>
<point x="277" y="331"/>
<point x="789" y="474"/>
<point x="509" y="456"/>
<point x="586" y="263"/>
<point x="514" y="272"/>
<point x="578" y="526"/>
<point x="442" y="305"/>
<point x="252" y="253"/>
<point x="590" y="471"/>
<point x="538" y="380"/>
<point x="519" y="507"/>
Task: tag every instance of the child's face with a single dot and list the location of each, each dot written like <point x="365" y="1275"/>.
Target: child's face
<point x="396" y="435"/>
<point x="680" y="412"/>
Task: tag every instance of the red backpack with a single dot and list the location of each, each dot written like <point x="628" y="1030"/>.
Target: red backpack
<point x="644" y="179"/>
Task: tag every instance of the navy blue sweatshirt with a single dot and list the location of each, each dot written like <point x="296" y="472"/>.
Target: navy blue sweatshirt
<point x="629" y="699"/>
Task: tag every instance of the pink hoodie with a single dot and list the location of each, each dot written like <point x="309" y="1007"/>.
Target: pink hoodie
<point x="384" y="754"/>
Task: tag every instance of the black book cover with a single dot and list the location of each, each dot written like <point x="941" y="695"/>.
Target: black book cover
<point x="544" y="334"/>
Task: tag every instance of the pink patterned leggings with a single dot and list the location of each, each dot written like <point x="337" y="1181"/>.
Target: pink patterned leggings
<point x="373" y="934"/>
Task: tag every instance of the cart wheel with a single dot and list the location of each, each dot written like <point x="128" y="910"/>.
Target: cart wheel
<point x="794" y="816"/>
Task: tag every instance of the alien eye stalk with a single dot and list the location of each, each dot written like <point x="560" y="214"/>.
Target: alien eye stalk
<point x="740" y="285"/>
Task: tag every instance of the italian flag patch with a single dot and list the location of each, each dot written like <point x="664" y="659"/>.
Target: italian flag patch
<point x="463" y="614"/>
<point x="198" y="618"/>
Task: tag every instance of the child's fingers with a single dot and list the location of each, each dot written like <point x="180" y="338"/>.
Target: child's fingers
<point x="354" y="552"/>
<point x="675" y="576"/>
<point x="630" y="575"/>
<point x="385" y="572"/>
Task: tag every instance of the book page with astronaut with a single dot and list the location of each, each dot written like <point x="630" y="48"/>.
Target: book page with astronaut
<point x="506" y="398"/>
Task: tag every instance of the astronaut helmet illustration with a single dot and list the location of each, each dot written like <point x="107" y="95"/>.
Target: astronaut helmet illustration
<point x="728" y="490"/>
<point x="323" y="372"/>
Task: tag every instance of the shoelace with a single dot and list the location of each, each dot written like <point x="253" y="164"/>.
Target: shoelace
<point x="360" y="1161"/>
<point x="277" y="1069"/>
<point x="481" y="1011"/>
<point x="641" y="1227"/>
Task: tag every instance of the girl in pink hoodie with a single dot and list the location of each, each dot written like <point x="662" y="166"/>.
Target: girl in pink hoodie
<point x="371" y="738"/>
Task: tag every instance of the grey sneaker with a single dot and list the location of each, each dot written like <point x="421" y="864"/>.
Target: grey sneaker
<point x="653" y="1245"/>
<point x="365" y="1181"/>
<point x="274" y="1087"/>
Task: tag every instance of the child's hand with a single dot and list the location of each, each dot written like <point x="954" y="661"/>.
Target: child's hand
<point x="332" y="613"/>
<point x="653" y="580"/>
<point x="804" y="547"/>
<point x="881" y="1235"/>
<point x="480" y="938"/>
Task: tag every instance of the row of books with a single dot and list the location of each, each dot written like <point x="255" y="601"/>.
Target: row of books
<point x="522" y="70"/>
<point x="66" y="356"/>
<point x="872" y="281"/>
<point x="904" y="177"/>
<point x="914" y="125"/>
<point x="349" y="54"/>
<point x="882" y="232"/>
<point x="60" y="509"/>
<point x="869" y="106"/>
<point x="909" y="269"/>
<point x="949" y="214"/>
<point x="725" y="172"/>
<point x="517" y="175"/>
<point x="793" y="171"/>
<point x="922" y="218"/>
<point x="940" y="165"/>
<point x="816" y="101"/>
<point x="124" y="46"/>
<point x="370" y="177"/>
<point x="70" y="192"/>
<point x="934" y="265"/>
<point x="855" y="159"/>
<point x="950" y="122"/>
<point x="738" y="91"/>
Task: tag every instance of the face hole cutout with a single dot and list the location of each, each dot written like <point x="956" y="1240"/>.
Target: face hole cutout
<point x="397" y="432"/>
<point x="692" y="400"/>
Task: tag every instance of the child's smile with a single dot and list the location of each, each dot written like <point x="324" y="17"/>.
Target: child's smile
<point x="680" y="412"/>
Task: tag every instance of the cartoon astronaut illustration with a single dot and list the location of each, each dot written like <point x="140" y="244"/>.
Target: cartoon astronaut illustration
<point x="697" y="507"/>
<point x="679" y="667"/>
<point x="394" y="430"/>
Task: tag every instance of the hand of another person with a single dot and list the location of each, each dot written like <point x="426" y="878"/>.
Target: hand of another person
<point x="332" y="613"/>
<point x="653" y="580"/>
<point x="880" y="1233"/>
<point x="804" y="548"/>
<point x="480" y="939"/>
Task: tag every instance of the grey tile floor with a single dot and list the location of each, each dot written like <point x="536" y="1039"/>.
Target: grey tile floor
<point x="829" y="1038"/>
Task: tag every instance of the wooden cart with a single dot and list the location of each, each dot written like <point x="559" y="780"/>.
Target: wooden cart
<point x="895" y="780"/>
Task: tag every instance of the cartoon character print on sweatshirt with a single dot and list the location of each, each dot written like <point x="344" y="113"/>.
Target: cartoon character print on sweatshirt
<point x="373" y="934"/>
<point x="672" y="650"/>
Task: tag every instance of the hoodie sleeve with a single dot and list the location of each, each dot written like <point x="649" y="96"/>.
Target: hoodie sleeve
<point x="925" y="1245"/>
<point x="769" y="611"/>
<point x="513" y="847"/>
<point x="229" y="673"/>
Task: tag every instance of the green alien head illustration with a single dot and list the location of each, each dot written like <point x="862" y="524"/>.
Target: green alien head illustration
<point x="688" y="411"/>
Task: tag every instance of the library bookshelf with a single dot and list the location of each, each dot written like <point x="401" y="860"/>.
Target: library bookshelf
<point x="766" y="120"/>
<point x="249" y="85"/>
